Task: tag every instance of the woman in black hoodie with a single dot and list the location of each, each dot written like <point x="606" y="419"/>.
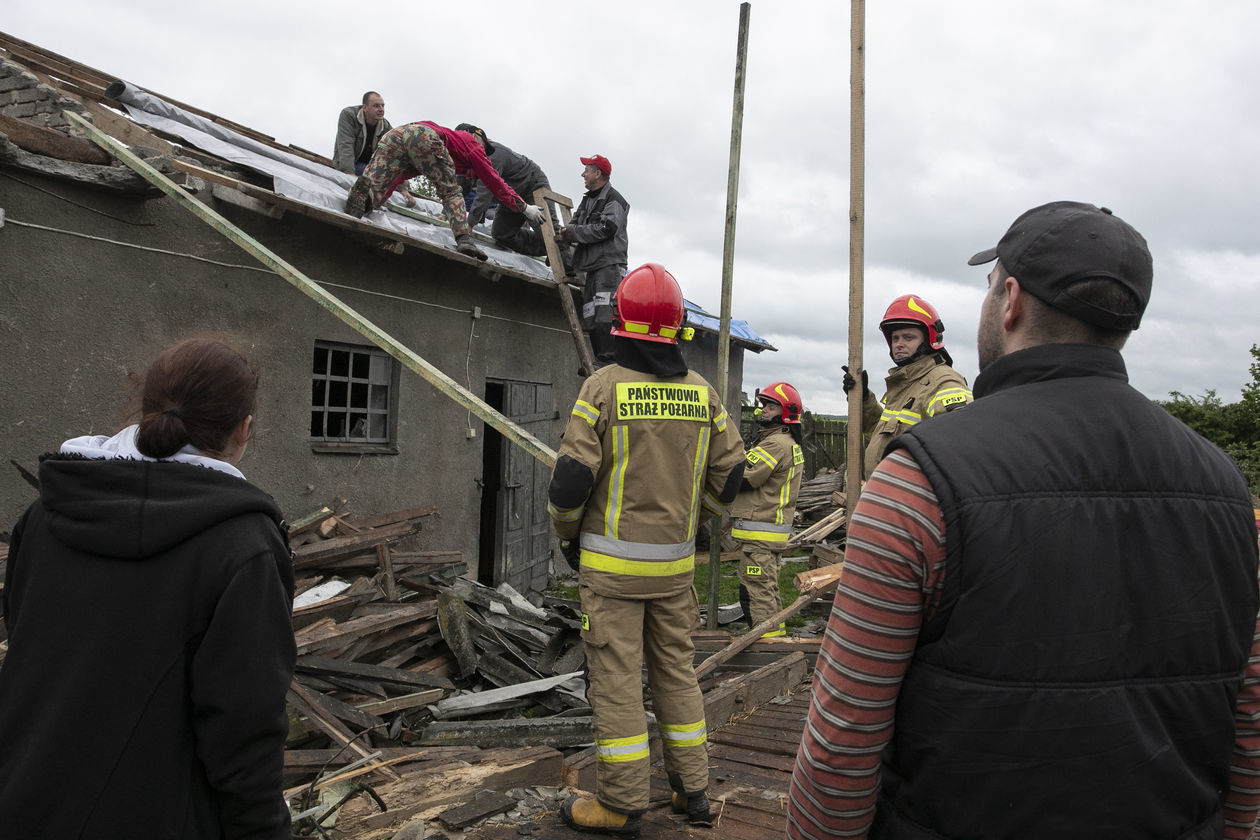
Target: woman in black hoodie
<point x="147" y="599"/>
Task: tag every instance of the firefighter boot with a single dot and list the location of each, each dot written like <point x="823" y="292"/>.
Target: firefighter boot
<point x="694" y="805"/>
<point x="587" y="814"/>
<point x="465" y="245"/>
<point x="359" y="199"/>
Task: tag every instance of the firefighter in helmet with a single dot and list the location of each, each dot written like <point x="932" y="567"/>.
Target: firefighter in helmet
<point x="923" y="383"/>
<point x="647" y="445"/>
<point x="761" y="515"/>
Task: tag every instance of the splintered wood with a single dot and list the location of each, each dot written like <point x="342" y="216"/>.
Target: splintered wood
<point x="390" y="641"/>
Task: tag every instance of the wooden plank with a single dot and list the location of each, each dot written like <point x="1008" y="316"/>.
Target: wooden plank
<point x="320" y="759"/>
<point x="312" y="554"/>
<point x="519" y="732"/>
<point x="403" y="702"/>
<point x="345" y="632"/>
<point x="372" y="642"/>
<point x="484" y="804"/>
<point x="585" y="356"/>
<point x="783" y="763"/>
<point x="709" y="665"/>
<point x="311" y="705"/>
<point x="111" y="178"/>
<point x="453" y="706"/>
<point x="819" y="581"/>
<point x="52" y="143"/>
<point x="379" y="520"/>
<point x="748" y="692"/>
<point x="324" y="665"/>
<point x="496" y="770"/>
<point x="308" y="521"/>
<point x="332" y="610"/>
<point x="819" y="529"/>
<point x="387" y="572"/>
<point x="742" y="737"/>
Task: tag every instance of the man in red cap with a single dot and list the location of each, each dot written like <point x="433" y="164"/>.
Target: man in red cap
<point x="598" y="234"/>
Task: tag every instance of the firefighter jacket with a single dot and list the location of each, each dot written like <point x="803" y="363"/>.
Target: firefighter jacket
<point x="641" y="455"/>
<point x="763" y="510"/>
<point x="924" y="388"/>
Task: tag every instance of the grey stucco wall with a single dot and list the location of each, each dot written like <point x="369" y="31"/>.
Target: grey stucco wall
<point x="79" y="317"/>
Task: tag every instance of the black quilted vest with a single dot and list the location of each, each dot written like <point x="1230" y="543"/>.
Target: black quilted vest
<point x="1078" y="679"/>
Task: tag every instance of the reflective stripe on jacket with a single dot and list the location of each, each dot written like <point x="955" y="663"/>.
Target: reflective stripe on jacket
<point x="659" y="450"/>
<point x="924" y="388"/>
<point x="773" y="468"/>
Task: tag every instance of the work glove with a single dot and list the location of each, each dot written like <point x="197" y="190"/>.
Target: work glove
<point x="534" y="214"/>
<point x="850" y="382"/>
<point x="572" y="552"/>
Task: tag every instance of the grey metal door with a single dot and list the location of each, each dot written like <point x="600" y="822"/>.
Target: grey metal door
<point x="524" y="529"/>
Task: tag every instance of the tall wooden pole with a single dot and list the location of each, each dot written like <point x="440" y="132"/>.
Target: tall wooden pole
<point x="728" y="275"/>
<point x="857" y="229"/>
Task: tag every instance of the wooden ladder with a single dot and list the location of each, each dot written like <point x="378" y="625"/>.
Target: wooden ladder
<point x="541" y="198"/>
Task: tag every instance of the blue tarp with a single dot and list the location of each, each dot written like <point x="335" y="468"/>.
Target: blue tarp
<point x="700" y="319"/>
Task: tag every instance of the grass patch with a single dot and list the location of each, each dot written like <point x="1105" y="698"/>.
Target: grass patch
<point x="728" y="586"/>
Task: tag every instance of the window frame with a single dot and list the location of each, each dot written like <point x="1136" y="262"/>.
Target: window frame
<point x="375" y="378"/>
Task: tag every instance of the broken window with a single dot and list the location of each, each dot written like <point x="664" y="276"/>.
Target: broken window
<point x="353" y="398"/>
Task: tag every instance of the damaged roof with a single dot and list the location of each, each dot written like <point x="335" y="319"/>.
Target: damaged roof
<point x="232" y="155"/>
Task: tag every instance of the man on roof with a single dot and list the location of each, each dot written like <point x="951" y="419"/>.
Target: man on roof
<point x="509" y="228"/>
<point x="923" y="383"/>
<point x="359" y="130"/>
<point x="598" y="232"/>
<point x="440" y="155"/>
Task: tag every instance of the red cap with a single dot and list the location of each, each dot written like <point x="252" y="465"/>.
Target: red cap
<point x="599" y="162"/>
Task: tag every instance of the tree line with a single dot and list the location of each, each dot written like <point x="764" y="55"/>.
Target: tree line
<point x="1235" y="427"/>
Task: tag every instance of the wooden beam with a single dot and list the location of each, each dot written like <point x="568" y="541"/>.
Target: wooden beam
<point x="495" y="770"/>
<point x="585" y="357"/>
<point x="312" y="554"/>
<point x="323" y="665"/>
<point x="709" y="665"/>
<point x="52" y="143"/>
<point x="484" y="804"/>
<point x="112" y="178"/>
<point x="310" y="704"/>
<point x="557" y="732"/>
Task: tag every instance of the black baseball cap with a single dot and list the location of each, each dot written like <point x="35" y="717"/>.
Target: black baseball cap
<point x="1050" y="247"/>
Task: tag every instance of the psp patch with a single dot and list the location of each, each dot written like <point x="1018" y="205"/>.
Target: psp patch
<point x="752" y="570"/>
<point x="656" y="401"/>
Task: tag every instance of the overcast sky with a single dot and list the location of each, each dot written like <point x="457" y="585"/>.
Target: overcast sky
<point x="975" y="112"/>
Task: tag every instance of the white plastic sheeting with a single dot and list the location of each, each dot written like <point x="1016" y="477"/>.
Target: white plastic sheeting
<point x="296" y="177"/>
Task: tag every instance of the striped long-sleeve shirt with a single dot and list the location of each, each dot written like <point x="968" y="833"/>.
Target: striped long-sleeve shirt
<point x="894" y="569"/>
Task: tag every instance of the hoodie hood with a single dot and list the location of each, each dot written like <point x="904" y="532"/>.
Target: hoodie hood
<point x="123" y="445"/>
<point x="128" y="508"/>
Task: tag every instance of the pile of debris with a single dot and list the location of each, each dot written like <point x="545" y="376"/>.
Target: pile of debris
<point x="415" y="685"/>
<point x="821" y="515"/>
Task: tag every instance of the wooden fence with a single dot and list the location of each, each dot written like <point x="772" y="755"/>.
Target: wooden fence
<point x="824" y="436"/>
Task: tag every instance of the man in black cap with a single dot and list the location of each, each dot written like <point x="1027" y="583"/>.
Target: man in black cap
<point x="1047" y="622"/>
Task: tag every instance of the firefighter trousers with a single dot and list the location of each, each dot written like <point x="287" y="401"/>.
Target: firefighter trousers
<point x="759" y="573"/>
<point x="621" y="636"/>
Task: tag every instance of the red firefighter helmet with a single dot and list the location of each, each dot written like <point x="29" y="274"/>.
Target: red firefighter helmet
<point x="649" y="305"/>
<point x="913" y="311"/>
<point x="787" y="396"/>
